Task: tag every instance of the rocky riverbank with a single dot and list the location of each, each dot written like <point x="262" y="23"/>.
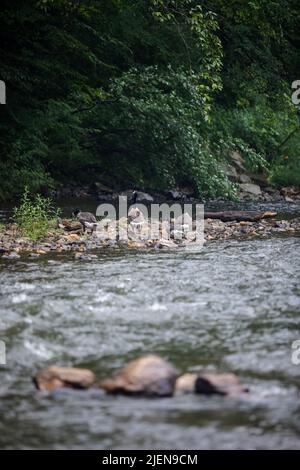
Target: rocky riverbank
<point x="70" y="238"/>
<point x="249" y="186"/>
<point x="247" y="190"/>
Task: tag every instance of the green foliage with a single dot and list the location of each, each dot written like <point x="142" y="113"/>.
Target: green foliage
<point x="257" y="132"/>
<point x="149" y="93"/>
<point x="34" y="215"/>
<point x="158" y="118"/>
<point x="286" y="175"/>
<point x="285" y="169"/>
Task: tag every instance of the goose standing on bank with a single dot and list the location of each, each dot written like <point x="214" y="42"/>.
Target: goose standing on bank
<point x="87" y="219"/>
<point x="136" y="219"/>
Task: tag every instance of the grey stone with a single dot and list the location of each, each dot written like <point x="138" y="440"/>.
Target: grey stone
<point x="143" y="197"/>
<point x="251" y="188"/>
<point x="11" y="255"/>
<point x="244" y="178"/>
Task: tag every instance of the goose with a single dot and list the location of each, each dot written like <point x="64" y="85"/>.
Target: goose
<point x="87" y="219"/>
<point x="136" y="218"/>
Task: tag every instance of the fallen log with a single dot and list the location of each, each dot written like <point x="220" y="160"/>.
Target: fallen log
<point x="239" y="216"/>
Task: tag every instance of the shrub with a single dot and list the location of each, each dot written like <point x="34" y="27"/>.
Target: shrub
<point x="285" y="169"/>
<point x="154" y="134"/>
<point x="34" y="216"/>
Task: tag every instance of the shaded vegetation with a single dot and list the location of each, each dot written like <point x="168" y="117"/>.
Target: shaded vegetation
<point x="35" y="216"/>
<point x="151" y="93"/>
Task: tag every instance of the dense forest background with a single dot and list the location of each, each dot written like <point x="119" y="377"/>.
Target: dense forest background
<point x="150" y="93"/>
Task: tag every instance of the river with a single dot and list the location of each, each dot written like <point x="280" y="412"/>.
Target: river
<point x="232" y="306"/>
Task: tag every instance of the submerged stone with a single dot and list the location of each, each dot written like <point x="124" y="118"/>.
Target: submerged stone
<point x="84" y="256"/>
<point x="12" y="255"/>
<point x="163" y="243"/>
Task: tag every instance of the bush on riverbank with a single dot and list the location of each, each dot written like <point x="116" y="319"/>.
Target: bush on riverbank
<point x="35" y="216"/>
<point x="285" y="170"/>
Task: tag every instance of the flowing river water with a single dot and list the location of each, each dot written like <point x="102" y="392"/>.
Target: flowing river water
<point x="232" y="306"/>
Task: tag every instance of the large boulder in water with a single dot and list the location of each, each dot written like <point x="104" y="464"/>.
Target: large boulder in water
<point x="63" y="377"/>
<point x="148" y="375"/>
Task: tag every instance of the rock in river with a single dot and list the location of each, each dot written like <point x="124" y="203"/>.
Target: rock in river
<point x="220" y="384"/>
<point x="63" y="377"/>
<point x="209" y="384"/>
<point x="148" y="375"/>
<point x="85" y="257"/>
<point x="163" y="243"/>
<point x="12" y="255"/>
<point x="186" y="383"/>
